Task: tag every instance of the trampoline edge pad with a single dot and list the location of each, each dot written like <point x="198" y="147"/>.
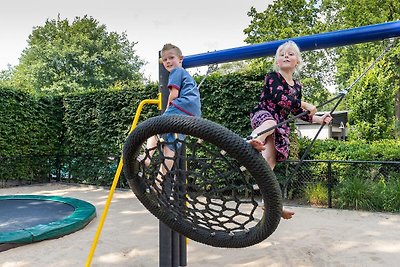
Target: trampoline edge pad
<point x="83" y="213"/>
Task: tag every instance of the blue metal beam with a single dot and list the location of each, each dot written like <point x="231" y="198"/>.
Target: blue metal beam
<point x="306" y="43"/>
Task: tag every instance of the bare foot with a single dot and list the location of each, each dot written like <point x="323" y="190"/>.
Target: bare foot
<point x="287" y="214"/>
<point x="257" y="144"/>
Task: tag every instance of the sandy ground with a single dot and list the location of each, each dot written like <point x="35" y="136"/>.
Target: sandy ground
<point x="314" y="237"/>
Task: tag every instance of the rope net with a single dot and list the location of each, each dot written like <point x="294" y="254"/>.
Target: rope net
<point x="212" y="192"/>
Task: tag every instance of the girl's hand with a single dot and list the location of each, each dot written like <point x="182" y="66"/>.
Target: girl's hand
<point x="324" y="119"/>
<point x="311" y="108"/>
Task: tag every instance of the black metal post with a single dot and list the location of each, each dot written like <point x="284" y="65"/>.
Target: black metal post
<point x="330" y="185"/>
<point x="165" y="245"/>
<point x="172" y="252"/>
<point x="181" y="177"/>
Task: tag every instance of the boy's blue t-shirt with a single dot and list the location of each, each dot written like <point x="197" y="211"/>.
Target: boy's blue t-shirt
<point x="188" y="100"/>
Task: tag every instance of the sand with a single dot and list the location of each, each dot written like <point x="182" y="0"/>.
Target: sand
<point x="314" y="237"/>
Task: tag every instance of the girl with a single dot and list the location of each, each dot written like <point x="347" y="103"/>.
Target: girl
<point x="281" y="96"/>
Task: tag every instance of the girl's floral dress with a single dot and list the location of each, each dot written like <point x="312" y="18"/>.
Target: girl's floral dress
<point x="278" y="99"/>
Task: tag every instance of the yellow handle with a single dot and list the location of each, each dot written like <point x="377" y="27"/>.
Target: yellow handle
<point x="116" y="177"/>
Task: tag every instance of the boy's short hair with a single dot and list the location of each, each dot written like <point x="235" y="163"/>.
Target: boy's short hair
<point x="168" y="46"/>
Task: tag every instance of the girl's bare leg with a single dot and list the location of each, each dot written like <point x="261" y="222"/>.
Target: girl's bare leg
<point x="268" y="152"/>
<point x="258" y="142"/>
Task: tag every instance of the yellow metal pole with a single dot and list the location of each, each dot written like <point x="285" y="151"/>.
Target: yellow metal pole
<point x="144" y="102"/>
<point x="116" y="177"/>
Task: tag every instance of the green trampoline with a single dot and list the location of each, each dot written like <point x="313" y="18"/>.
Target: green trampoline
<point x="25" y="219"/>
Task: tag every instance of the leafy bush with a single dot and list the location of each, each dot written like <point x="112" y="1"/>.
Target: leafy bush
<point x="382" y="150"/>
<point x="392" y="192"/>
<point x="317" y="194"/>
<point x="228" y="99"/>
<point x="354" y="193"/>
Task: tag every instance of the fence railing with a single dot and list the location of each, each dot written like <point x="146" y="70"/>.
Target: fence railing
<point x="331" y="183"/>
<point x="327" y="178"/>
<point x="82" y="169"/>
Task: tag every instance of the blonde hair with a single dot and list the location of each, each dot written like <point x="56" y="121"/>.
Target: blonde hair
<point x="168" y="46"/>
<point x="285" y="46"/>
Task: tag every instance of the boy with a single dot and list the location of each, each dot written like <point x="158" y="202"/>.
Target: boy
<point x="184" y="99"/>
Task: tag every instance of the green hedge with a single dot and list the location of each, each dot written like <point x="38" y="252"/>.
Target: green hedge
<point x="228" y="99"/>
<point x="36" y="132"/>
<point x="382" y="150"/>
<point x="29" y="125"/>
<point x="96" y="123"/>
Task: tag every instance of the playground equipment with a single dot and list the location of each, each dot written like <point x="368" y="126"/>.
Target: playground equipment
<point x="32" y="218"/>
<point x="202" y="219"/>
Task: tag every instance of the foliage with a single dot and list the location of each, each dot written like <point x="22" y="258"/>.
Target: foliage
<point x="317" y="194"/>
<point x="30" y="127"/>
<point x="372" y="102"/>
<point x="5" y="77"/>
<point x="287" y="19"/>
<point x="382" y="150"/>
<point x="64" y="57"/>
<point x="353" y="59"/>
<point x="350" y="14"/>
<point x="228" y="99"/>
<point x="391" y="196"/>
<point x="98" y="122"/>
<point x="358" y="193"/>
<point x="355" y="193"/>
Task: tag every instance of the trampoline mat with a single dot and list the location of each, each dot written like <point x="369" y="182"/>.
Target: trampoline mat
<point x="26" y="219"/>
<point x="16" y="214"/>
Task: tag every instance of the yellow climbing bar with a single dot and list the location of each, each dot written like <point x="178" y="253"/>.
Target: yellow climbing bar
<point x="158" y="102"/>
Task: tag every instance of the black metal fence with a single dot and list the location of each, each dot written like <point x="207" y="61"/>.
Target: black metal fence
<point x="323" y="182"/>
<point x="82" y="169"/>
<point x="330" y="183"/>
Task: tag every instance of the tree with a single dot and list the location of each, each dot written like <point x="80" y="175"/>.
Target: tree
<point x="371" y="102"/>
<point x="341" y="65"/>
<point x="82" y="55"/>
<point x="5" y="77"/>
<point x="285" y="19"/>
<point x="352" y="60"/>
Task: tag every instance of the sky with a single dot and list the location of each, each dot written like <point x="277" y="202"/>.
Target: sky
<point x="195" y="26"/>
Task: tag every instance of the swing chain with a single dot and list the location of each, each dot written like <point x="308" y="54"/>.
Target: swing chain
<point x="211" y="68"/>
<point x="340" y="96"/>
<point x="388" y="47"/>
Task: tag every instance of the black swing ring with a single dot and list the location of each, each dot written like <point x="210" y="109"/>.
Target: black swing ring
<point x="186" y="222"/>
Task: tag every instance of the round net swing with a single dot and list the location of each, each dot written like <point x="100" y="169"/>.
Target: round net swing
<point x="212" y="194"/>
